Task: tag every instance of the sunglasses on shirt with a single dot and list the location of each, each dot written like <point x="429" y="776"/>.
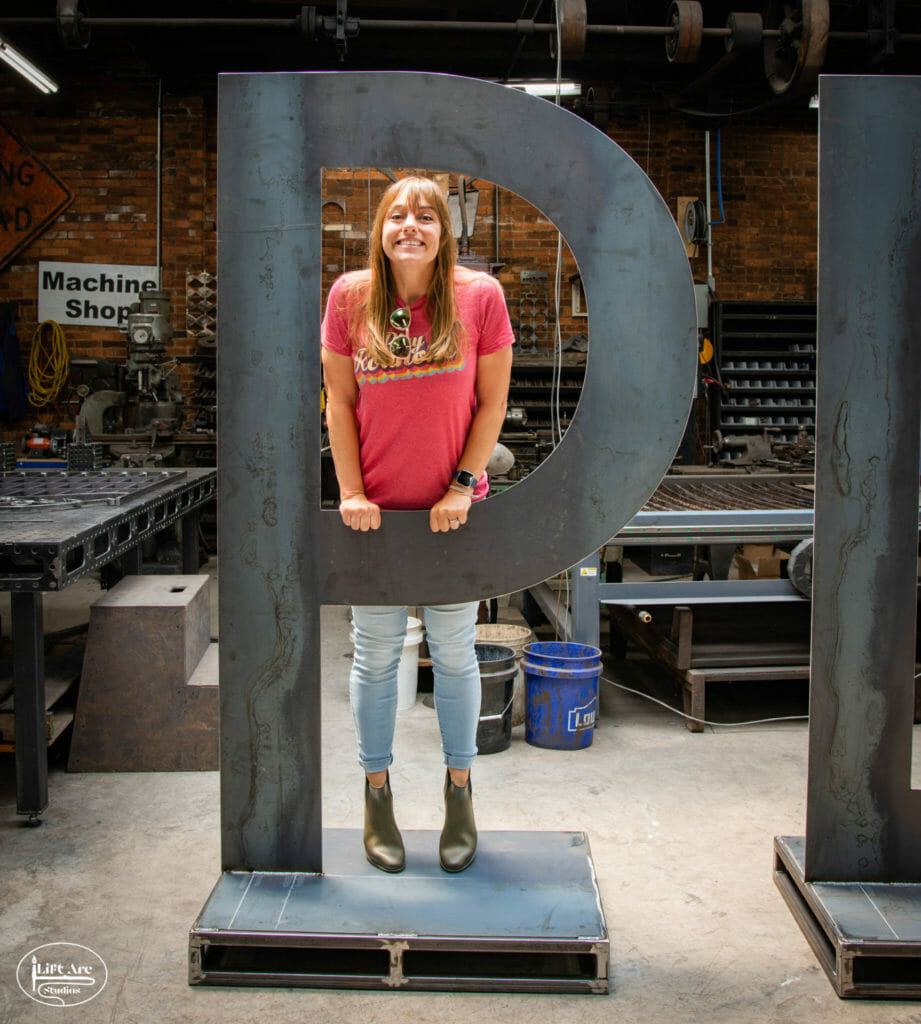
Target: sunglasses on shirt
<point x="400" y="320"/>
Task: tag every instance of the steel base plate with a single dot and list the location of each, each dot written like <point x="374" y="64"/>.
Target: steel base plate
<point x="526" y="916"/>
<point x="866" y="935"/>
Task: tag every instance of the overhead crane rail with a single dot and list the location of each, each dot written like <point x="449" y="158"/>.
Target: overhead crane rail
<point x="793" y="38"/>
<point x="309" y="17"/>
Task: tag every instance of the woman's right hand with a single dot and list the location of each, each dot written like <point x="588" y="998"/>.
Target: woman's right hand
<point x="360" y="513"/>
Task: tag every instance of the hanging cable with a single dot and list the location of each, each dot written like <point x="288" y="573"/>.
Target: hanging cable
<point x="49" y="364"/>
<point x="556" y="420"/>
<point x="559" y="54"/>
<point x="564" y="588"/>
<point x="704" y="721"/>
<point x="719" y="175"/>
<point x="556" y="425"/>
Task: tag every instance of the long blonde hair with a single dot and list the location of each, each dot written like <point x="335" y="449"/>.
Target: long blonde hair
<point x="378" y="299"/>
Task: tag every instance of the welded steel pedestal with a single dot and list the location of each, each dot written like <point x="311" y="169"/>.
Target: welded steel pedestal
<point x="866" y="935"/>
<point x="526" y="916"/>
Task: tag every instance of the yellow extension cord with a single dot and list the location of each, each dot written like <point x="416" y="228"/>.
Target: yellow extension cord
<point x="48" y="363"/>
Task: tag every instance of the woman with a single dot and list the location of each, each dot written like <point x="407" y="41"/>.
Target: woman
<point x="416" y="362"/>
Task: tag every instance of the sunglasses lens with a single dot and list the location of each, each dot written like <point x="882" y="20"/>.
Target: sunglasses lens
<point x="400" y="346"/>
<point x="401" y="319"/>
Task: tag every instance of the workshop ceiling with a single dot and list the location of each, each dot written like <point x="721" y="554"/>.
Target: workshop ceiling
<point x="619" y="48"/>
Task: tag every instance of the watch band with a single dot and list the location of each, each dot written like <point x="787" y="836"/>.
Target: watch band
<point x="465" y="479"/>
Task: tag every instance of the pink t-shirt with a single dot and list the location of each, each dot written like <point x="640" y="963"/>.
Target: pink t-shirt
<point x="414" y="417"/>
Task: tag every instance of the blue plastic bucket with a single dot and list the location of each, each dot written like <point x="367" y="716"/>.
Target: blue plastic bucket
<point x="561" y="691"/>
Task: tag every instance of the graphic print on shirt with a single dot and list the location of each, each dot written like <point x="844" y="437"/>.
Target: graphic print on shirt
<point x="414" y="364"/>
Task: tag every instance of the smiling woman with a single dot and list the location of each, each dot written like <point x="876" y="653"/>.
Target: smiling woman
<point x="416" y="363"/>
<point x="500" y="232"/>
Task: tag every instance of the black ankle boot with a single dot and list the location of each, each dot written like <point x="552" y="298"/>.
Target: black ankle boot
<point x="383" y="842"/>
<point x="457" y="846"/>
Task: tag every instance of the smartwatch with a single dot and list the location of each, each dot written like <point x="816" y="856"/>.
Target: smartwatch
<point x="465" y="479"/>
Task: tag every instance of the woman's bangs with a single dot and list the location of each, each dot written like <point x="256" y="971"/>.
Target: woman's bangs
<point x="416" y="193"/>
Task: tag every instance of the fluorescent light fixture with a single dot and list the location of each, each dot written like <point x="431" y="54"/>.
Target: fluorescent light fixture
<point x="26" y="68"/>
<point x="547" y="88"/>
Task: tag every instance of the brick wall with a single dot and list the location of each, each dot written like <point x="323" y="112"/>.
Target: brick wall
<point x="101" y="140"/>
<point x="103" y="145"/>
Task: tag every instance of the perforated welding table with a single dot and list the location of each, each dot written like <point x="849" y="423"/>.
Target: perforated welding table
<point x="55" y="527"/>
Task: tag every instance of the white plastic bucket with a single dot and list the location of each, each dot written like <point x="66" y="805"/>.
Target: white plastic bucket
<point x="408" y="669"/>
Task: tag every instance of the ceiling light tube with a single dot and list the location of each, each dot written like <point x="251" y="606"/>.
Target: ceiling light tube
<point x="26" y="68"/>
<point x="548" y="88"/>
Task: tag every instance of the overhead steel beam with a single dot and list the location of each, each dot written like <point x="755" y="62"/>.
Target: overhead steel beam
<point x="521" y="27"/>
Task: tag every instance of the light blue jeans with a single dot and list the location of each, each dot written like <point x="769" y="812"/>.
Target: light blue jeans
<point x="451" y="633"/>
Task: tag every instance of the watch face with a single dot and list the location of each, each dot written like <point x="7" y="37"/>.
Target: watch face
<point x="465" y="479"/>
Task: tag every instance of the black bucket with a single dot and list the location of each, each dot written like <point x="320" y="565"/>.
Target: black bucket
<point x="498" y="669"/>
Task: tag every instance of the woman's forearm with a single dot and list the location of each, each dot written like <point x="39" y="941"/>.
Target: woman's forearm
<point x="343" y="444"/>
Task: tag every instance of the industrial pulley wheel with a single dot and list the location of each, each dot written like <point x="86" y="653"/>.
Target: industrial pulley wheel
<point x="686" y="19"/>
<point x="745" y="32"/>
<point x="572" y="19"/>
<point x="794" y="58"/>
<point x="694" y="223"/>
<point x="799" y="567"/>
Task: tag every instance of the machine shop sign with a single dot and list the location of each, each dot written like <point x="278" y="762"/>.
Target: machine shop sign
<point x="31" y="197"/>
<point x="93" y="294"/>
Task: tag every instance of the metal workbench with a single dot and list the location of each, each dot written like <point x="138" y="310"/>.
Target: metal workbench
<point x="717" y="510"/>
<point x="55" y="528"/>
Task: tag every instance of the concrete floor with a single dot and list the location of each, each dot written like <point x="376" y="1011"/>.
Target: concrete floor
<point x="680" y="825"/>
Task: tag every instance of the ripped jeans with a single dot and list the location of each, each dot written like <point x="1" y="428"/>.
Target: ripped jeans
<point x="451" y="634"/>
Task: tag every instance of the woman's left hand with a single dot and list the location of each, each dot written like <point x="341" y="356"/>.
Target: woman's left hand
<point x="450" y="513"/>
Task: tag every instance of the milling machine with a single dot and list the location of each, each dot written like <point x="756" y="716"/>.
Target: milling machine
<point x="134" y="406"/>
